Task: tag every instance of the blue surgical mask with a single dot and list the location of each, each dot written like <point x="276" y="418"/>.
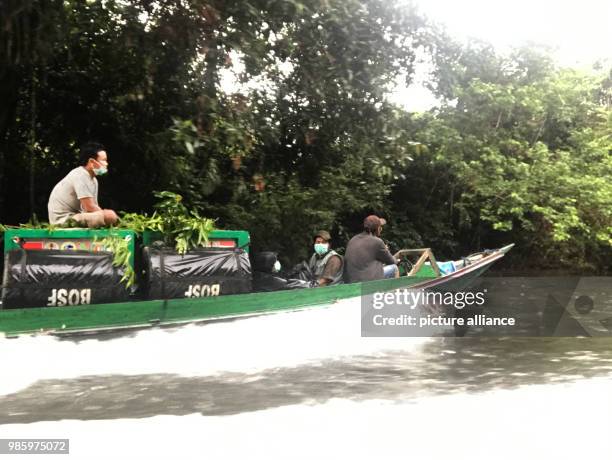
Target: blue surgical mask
<point x="321" y="248"/>
<point x="277" y="267"/>
<point x="100" y="171"/>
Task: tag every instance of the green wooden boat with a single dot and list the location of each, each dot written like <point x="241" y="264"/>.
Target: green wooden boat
<point x="423" y="274"/>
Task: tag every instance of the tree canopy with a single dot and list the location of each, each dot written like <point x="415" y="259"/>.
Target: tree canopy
<point x="517" y="151"/>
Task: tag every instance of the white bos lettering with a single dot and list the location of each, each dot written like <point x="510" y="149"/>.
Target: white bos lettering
<point x="203" y="290"/>
<point x="63" y="297"/>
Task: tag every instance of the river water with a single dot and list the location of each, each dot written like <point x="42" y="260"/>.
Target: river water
<point x="307" y="385"/>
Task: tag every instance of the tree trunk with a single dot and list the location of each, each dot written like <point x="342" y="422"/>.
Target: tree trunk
<point x="8" y="94"/>
<point x="1" y="181"/>
<point x="211" y="71"/>
<point x="32" y="143"/>
<point x="451" y="205"/>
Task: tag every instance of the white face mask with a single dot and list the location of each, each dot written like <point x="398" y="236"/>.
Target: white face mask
<point x="321" y="248"/>
<point x="101" y="169"/>
<point x="277" y="266"/>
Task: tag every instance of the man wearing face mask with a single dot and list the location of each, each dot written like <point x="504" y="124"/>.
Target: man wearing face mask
<point x="367" y="257"/>
<point x="76" y="195"/>
<point x="325" y="264"/>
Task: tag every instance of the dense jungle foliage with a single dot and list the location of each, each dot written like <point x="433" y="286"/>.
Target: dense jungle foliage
<point x="519" y="150"/>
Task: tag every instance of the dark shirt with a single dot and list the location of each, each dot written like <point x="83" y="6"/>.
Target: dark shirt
<point x="365" y="257"/>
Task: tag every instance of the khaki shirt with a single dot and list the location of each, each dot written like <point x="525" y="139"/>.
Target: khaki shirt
<point x="64" y="201"/>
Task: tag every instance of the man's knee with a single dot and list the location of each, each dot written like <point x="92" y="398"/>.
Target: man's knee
<point x="110" y="217"/>
<point x="390" y="271"/>
<point x="90" y="219"/>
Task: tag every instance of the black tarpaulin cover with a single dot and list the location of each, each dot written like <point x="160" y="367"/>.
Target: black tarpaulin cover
<point x="199" y="273"/>
<point x="41" y="278"/>
<point x="266" y="280"/>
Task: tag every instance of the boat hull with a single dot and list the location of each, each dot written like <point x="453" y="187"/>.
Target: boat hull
<point x="113" y="316"/>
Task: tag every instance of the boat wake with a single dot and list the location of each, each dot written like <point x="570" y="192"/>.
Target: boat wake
<point x="476" y="426"/>
<point x="247" y="346"/>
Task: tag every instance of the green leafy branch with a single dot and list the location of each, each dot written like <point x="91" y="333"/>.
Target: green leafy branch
<point x="32" y="224"/>
<point x="191" y="232"/>
<point x="121" y="257"/>
<point x="179" y="227"/>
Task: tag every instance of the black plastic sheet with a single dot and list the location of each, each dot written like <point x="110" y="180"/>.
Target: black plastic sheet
<point x="41" y="278"/>
<point x="266" y="280"/>
<point x="300" y="271"/>
<point x="198" y="273"/>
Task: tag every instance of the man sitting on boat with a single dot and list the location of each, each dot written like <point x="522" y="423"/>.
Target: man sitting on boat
<point x="325" y="264"/>
<point x="76" y="195"/>
<point x="367" y="257"/>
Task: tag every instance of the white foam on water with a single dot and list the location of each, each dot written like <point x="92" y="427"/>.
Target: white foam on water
<point x="567" y="421"/>
<point x="246" y="345"/>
